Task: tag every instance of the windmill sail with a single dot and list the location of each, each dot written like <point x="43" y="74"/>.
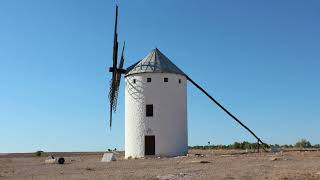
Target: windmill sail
<point x="116" y="71"/>
<point x="115" y="40"/>
<point x="114" y="68"/>
<point x="118" y="79"/>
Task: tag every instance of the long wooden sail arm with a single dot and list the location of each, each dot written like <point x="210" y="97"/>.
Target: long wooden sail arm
<point x="225" y="110"/>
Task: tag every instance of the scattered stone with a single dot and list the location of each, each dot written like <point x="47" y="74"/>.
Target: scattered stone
<point x="50" y="157"/>
<point x="173" y="177"/>
<point x="226" y="155"/>
<point x="318" y="173"/>
<point x="273" y="159"/>
<point x="176" y="157"/>
<point x="50" y="161"/>
<point x="89" y="169"/>
<point x="185" y="174"/>
<point x="53" y="160"/>
<point x="108" y="157"/>
<point x="204" y="162"/>
<point x="168" y="177"/>
<point x="199" y="155"/>
<point x="229" y="178"/>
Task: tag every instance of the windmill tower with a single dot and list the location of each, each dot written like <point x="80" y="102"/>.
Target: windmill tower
<point x="155" y="104"/>
<point x="155" y="108"/>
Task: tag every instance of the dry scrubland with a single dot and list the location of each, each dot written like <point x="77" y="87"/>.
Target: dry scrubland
<point x="210" y="164"/>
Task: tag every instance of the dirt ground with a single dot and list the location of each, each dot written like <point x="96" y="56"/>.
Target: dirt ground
<point x="199" y="164"/>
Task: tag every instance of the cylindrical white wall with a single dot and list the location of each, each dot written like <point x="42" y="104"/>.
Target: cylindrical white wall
<point x="169" y="121"/>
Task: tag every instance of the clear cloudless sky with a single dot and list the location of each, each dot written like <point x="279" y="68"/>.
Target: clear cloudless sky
<point x="261" y="59"/>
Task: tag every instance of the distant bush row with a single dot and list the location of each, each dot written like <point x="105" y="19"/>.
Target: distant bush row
<point x="247" y="145"/>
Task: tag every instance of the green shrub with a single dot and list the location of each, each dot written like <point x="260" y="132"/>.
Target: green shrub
<point x="316" y="146"/>
<point x="236" y="145"/>
<point x="38" y="153"/>
<point x="247" y="145"/>
<point x="303" y="143"/>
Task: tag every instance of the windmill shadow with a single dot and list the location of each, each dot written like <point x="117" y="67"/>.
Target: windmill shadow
<point x="135" y="90"/>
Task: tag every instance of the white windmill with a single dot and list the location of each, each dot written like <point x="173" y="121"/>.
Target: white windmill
<point x="155" y="108"/>
<point x="155" y="104"/>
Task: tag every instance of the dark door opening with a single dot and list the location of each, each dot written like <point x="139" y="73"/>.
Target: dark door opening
<point x="149" y="145"/>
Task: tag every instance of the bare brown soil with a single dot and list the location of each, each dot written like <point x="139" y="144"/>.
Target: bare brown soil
<point x="209" y="164"/>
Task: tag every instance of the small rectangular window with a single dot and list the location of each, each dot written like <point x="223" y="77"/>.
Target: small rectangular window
<point x="165" y="79"/>
<point x="149" y="110"/>
<point x="134" y="81"/>
<point x="148" y="79"/>
<point x="179" y="81"/>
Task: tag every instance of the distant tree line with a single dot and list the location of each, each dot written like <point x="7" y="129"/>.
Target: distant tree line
<point x="303" y="143"/>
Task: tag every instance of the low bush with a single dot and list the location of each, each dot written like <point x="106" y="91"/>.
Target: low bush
<point x="303" y="143"/>
<point x="38" y="153"/>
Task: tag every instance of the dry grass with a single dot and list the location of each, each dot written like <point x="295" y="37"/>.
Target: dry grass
<point x="214" y="164"/>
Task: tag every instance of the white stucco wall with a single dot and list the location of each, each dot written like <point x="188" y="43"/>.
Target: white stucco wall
<point x="169" y="121"/>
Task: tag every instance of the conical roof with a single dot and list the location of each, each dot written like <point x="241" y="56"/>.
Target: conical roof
<point x="154" y="62"/>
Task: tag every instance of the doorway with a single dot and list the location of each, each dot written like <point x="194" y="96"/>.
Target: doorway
<point x="149" y="145"/>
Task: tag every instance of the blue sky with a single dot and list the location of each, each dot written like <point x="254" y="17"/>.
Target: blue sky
<point x="260" y="59"/>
